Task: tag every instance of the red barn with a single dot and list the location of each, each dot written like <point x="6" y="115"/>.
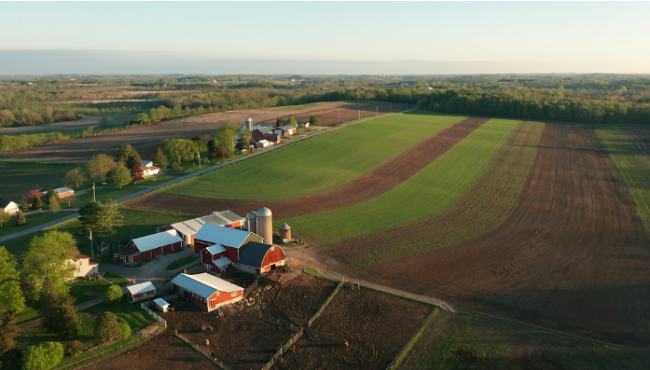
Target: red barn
<point x="149" y="246"/>
<point x="259" y="132"/>
<point x="285" y="130"/>
<point x="138" y="292"/>
<point x="207" y="291"/>
<point x="187" y="229"/>
<point x="222" y="248"/>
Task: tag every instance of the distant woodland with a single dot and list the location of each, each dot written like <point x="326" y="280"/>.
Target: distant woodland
<point x="596" y="99"/>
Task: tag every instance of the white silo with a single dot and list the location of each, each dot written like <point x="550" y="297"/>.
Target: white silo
<point x="265" y="225"/>
<point x="251" y="222"/>
<point x="249" y="123"/>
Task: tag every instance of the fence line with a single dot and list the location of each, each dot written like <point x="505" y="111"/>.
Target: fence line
<point x="251" y="287"/>
<point x="155" y="315"/>
<point x="401" y="356"/>
<point x="215" y="360"/>
<point x="283" y="349"/>
<point x="140" y="340"/>
<point x="325" y="304"/>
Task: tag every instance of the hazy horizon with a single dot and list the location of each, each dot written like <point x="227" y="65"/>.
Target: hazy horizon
<point x="324" y="38"/>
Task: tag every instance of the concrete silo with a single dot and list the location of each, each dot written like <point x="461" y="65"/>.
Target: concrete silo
<point x="285" y="232"/>
<point x="249" y="123"/>
<point x="251" y="222"/>
<point x="265" y="225"/>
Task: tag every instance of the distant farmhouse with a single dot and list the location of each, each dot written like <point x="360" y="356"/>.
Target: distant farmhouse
<point x="81" y="264"/>
<point x="9" y="207"/>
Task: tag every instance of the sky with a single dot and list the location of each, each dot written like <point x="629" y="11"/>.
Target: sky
<point x="323" y="37"/>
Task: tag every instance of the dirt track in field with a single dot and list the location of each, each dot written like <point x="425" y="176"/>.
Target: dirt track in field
<point x="573" y="255"/>
<point x="383" y="178"/>
<point x="146" y="138"/>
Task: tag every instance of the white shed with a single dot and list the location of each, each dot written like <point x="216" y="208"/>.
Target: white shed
<point x="162" y="304"/>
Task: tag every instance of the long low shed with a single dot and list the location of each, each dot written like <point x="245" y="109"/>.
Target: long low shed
<point x="207" y="291"/>
<point x="149" y="246"/>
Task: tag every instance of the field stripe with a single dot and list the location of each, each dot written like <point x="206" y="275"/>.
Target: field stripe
<point x="319" y="164"/>
<point x="485" y="206"/>
<point x="633" y="166"/>
<point x="423" y="195"/>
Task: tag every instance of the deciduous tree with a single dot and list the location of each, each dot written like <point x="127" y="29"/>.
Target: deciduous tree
<point x="113" y="294"/>
<point x="12" y="298"/>
<point x="59" y="315"/>
<point x="314" y="121"/>
<point x="100" y="165"/>
<point x="74" y="178"/>
<point x="4" y="217"/>
<point x="160" y="159"/>
<point x="105" y="122"/>
<point x="36" y="202"/>
<point x="124" y="153"/>
<point x="44" y="264"/>
<point x="54" y="205"/>
<point x="20" y="218"/>
<point x="120" y="176"/>
<point x="112" y="217"/>
<point x="107" y="329"/>
<point x="43" y="357"/>
<point x="8" y="331"/>
<point x="137" y="174"/>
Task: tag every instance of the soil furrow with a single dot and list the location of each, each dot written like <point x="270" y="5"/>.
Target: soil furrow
<point x="383" y="178"/>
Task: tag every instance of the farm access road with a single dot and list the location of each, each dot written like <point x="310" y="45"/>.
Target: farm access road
<point x="149" y="189"/>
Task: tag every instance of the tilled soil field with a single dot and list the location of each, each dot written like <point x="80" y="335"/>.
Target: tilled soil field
<point x="146" y="138"/>
<point x="163" y="351"/>
<point x="381" y="179"/>
<point x="375" y="325"/>
<point x="573" y="255"/>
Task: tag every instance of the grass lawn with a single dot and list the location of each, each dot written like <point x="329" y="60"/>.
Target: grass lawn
<point x="632" y="165"/>
<point x="290" y="108"/>
<point x="18" y="177"/>
<point x="471" y="342"/>
<point x="10" y="227"/>
<point x="102" y="195"/>
<point x="423" y="195"/>
<point x="126" y="312"/>
<point x="117" y="279"/>
<point x="318" y="164"/>
<point x="181" y="262"/>
<point x="85" y="290"/>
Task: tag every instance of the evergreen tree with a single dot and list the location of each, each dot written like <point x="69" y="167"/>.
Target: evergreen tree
<point x="124" y="153"/>
<point x="36" y="203"/>
<point x="20" y="218"/>
<point x="107" y="329"/>
<point x="135" y="160"/>
<point x="160" y="159"/>
<point x="93" y="218"/>
<point x="59" y="315"/>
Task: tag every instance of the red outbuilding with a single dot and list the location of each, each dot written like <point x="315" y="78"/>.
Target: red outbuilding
<point x="207" y="291"/>
<point x="141" y="291"/>
<point x="149" y="246"/>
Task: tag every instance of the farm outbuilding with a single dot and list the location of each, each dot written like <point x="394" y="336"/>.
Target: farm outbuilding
<point x="260" y="258"/>
<point x="285" y="232"/>
<point x="188" y="229"/>
<point x="207" y="291"/>
<point x="141" y="291"/>
<point x="149" y="246"/>
<point x="62" y="192"/>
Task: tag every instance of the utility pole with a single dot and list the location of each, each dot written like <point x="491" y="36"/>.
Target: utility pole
<point x="359" y="113"/>
<point x="94" y="199"/>
<point x="92" y="251"/>
<point x="199" y="155"/>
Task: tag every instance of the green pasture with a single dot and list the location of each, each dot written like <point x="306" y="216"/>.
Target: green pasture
<point x="102" y="194"/>
<point x="18" y="177"/>
<point x="317" y="164"/>
<point x="423" y="195"/>
<point x="291" y="108"/>
<point x="632" y="165"/>
<point x="469" y="342"/>
<point x="10" y="227"/>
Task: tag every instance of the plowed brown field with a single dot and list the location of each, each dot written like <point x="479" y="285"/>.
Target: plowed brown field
<point x="346" y="113"/>
<point x="383" y="178"/>
<point x="146" y="138"/>
<point x="640" y="136"/>
<point x="573" y="254"/>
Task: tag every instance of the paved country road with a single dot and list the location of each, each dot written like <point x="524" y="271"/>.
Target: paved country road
<point x="149" y="189"/>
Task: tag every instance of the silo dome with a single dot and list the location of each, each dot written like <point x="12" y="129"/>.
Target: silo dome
<point x="251" y="214"/>
<point x="249" y="119"/>
<point x="264" y="212"/>
<point x="285" y="226"/>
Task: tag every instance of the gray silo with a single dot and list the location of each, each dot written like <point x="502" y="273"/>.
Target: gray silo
<point x="251" y="222"/>
<point x="249" y="123"/>
<point x="265" y="225"/>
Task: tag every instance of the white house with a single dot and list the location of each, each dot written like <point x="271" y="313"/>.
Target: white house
<point x="148" y="169"/>
<point x="9" y="207"/>
<point x="81" y="264"/>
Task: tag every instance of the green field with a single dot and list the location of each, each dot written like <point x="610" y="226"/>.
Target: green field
<point x="470" y="342"/>
<point x="17" y="178"/>
<point x="102" y="195"/>
<point x="633" y="166"/>
<point x="423" y="195"/>
<point x="32" y="220"/>
<point x="291" y="108"/>
<point x="317" y="164"/>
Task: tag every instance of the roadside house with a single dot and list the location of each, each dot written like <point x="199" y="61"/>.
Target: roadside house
<point x="81" y="264"/>
<point x="148" y="169"/>
<point x="207" y="291"/>
<point x="9" y="207"/>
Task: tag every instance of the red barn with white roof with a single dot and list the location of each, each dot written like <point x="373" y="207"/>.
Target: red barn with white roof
<point x="149" y="246"/>
<point x="207" y="291"/>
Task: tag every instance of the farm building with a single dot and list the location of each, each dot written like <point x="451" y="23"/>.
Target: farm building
<point x="260" y="131"/>
<point x="148" y="169"/>
<point x="81" y="264"/>
<point x="285" y="130"/>
<point x="285" y="232"/>
<point x="273" y="137"/>
<point x="221" y="248"/>
<point x="263" y="143"/>
<point x="187" y="229"/>
<point x="9" y="207"/>
<point x="62" y="192"/>
<point x="207" y="291"/>
<point x="141" y="291"/>
<point x="149" y="246"/>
